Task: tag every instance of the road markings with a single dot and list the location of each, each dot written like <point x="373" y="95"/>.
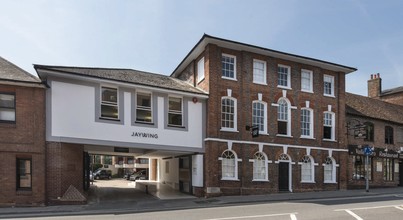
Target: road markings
<point x="365" y="208"/>
<point x="399" y="207"/>
<point x="353" y="214"/>
<point x="292" y="215"/>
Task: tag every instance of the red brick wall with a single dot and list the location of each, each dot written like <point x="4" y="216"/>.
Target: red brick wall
<point x="396" y="98"/>
<point x="24" y="139"/>
<point x="64" y="168"/>
<point x="245" y="91"/>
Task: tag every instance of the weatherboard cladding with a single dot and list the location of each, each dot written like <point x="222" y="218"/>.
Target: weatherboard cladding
<point x="128" y="76"/>
<point x="373" y="108"/>
<point x="11" y="72"/>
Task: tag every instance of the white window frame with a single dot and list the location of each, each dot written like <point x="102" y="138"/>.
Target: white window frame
<point x="200" y="70"/>
<point x="333" y="170"/>
<point x="311" y="169"/>
<point x="264" y="82"/>
<point x="288" y="120"/>
<point x="264" y="131"/>
<point x="236" y="160"/>
<point x="266" y="168"/>
<point x="310" y="136"/>
<point x="328" y="78"/>
<point x="310" y="90"/>
<point x="145" y="108"/>
<point x="229" y="56"/>
<point x="235" y="115"/>
<point x="175" y="111"/>
<point x="333" y="125"/>
<point x="106" y="103"/>
<point x="288" y="77"/>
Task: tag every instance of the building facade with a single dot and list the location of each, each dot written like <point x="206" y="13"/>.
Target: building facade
<point x="120" y="112"/>
<point x="296" y="103"/>
<point x="22" y="137"/>
<point x="377" y="124"/>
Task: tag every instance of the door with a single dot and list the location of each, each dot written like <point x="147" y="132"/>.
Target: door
<point x="283" y="176"/>
<point x="86" y="170"/>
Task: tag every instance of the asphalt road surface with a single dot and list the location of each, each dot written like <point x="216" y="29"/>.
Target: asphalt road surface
<point x="387" y="207"/>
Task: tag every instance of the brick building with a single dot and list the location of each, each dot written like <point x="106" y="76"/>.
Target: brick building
<point x="377" y="124"/>
<point x="297" y="103"/>
<point x="22" y="137"/>
<point x="394" y="95"/>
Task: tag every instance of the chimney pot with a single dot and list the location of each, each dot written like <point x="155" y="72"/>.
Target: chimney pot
<point x="372" y="76"/>
<point x="378" y="75"/>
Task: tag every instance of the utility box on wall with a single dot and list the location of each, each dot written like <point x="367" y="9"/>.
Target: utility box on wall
<point x="197" y="170"/>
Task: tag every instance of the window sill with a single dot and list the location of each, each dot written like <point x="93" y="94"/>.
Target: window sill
<point x="307" y="137"/>
<point x="144" y="123"/>
<point x="308" y="182"/>
<point x="330" y="182"/>
<point x="329" y="140"/>
<point x="307" y="91"/>
<point x="176" y="126"/>
<point x="284" y="135"/>
<point x="229" y="130"/>
<point x="330" y="96"/>
<point x="264" y="134"/>
<point x="284" y="87"/>
<point x="230" y="179"/>
<point x="109" y="119"/>
<point x="257" y="180"/>
<point x="201" y="80"/>
<point x="260" y="83"/>
<point x="224" y="77"/>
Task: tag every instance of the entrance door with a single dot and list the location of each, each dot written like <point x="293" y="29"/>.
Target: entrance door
<point x="401" y="173"/>
<point x="283" y="176"/>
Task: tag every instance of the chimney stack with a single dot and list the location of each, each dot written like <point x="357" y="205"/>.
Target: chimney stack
<point x="375" y="86"/>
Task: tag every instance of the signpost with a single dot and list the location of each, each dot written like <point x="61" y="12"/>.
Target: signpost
<point x="367" y="151"/>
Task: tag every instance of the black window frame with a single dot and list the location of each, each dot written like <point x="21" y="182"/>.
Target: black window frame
<point x="388" y="135"/>
<point x="359" y="172"/>
<point x="18" y="174"/>
<point x="369" y="131"/>
<point x="15" y="108"/>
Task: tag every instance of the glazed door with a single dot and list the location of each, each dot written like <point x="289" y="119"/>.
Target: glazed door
<point x="283" y="176"/>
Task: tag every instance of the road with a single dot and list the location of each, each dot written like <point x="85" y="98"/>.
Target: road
<point x="374" y="207"/>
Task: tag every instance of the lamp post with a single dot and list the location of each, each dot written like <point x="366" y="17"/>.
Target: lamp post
<point x="367" y="151"/>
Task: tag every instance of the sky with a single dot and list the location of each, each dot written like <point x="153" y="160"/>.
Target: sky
<point x="155" y="35"/>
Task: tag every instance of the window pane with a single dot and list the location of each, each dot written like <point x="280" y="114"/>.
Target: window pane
<point x="109" y="111"/>
<point x="175" y="104"/>
<point x="143" y="115"/>
<point x="144" y="100"/>
<point x="282" y="127"/>
<point x="7" y="101"/>
<point x="175" y="119"/>
<point x="109" y="95"/>
<point x="24" y="173"/>
<point x="7" y="114"/>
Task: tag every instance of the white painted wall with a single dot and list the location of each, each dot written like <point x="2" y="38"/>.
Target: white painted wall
<point x="73" y="116"/>
<point x="170" y="178"/>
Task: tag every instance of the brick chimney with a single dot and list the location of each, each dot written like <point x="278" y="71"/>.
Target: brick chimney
<point x="374" y="86"/>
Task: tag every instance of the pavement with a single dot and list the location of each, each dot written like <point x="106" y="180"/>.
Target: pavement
<point x="149" y="203"/>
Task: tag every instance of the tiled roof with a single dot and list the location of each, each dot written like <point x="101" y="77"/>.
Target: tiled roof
<point x="11" y="72"/>
<point x="125" y="75"/>
<point x="373" y="108"/>
<point x="392" y="91"/>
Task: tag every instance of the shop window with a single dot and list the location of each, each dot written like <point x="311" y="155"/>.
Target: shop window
<point x="359" y="172"/>
<point x="388" y="169"/>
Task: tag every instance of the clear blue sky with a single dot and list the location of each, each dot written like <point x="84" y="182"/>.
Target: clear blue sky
<point x="155" y="35"/>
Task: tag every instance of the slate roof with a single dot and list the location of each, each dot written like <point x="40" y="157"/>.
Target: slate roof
<point x="392" y="91"/>
<point x="11" y="72"/>
<point x="373" y="108"/>
<point x="125" y="75"/>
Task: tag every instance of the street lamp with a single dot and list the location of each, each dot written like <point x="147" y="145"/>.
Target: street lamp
<point x="367" y="151"/>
